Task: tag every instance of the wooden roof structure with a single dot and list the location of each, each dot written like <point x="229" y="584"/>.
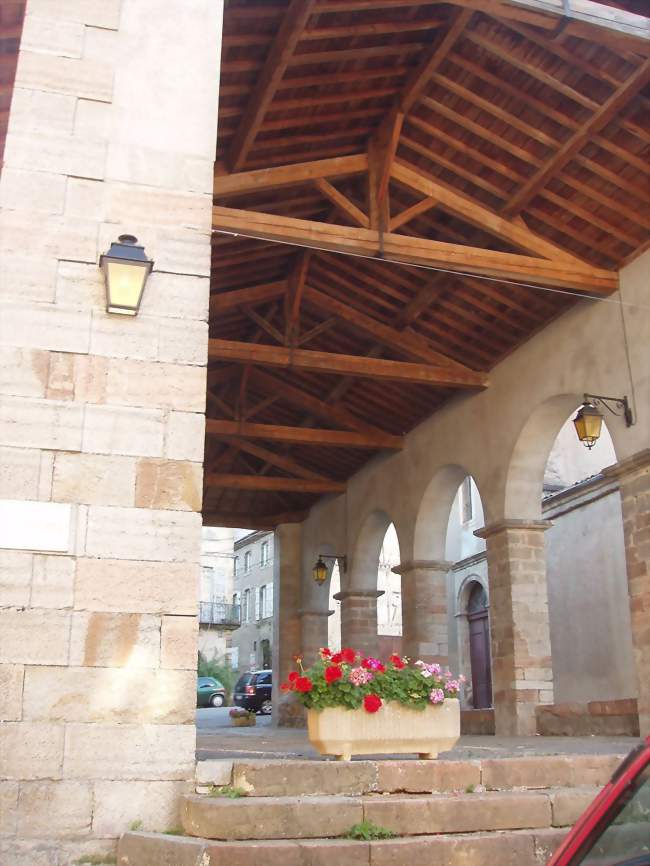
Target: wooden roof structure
<point x="405" y="191"/>
<point x="12" y="14"/>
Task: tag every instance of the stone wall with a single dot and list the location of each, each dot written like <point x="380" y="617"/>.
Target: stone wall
<point x="112" y="128"/>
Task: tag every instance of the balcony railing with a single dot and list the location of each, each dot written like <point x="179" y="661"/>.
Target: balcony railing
<point x="219" y="613"/>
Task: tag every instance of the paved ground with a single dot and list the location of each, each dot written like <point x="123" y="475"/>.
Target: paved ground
<point x="214" y="740"/>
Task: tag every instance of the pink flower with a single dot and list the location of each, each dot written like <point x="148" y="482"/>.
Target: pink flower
<point x="360" y="676"/>
<point x="436" y="696"/>
<point x="453" y="686"/>
<point x="372" y="664"/>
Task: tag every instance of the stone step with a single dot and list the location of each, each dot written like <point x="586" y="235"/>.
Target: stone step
<point x="520" y="848"/>
<point x="314" y="817"/>
<point x="292" y="778"/>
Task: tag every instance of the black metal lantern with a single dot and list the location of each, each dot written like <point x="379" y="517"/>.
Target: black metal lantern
<point x="126" y="268"/>
<point x="320" y="571"/>
<point x="589" y="420"/>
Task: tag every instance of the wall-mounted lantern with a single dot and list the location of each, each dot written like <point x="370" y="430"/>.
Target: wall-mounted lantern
<point x="589" y="420"/>
<point x="320" y="570"/>
<point x="126" y="268"/>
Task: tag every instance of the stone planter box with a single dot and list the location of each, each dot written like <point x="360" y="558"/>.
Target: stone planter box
<point x="394" y="730"/>
<point x="244" y="722"/>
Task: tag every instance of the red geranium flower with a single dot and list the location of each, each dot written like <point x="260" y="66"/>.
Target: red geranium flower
<point x="293" y="676"/>
<point x="372" y="703"/>
<point x="304" y="684"/>
<point x="333" y="673"/>
<point x="325" y="652"/>
<point x="337" y="658"/>
<point x="285" y="687"/>
<point x="365" y="663"/>
<point x="348" y="655"/>
<point x="397" y="662"/>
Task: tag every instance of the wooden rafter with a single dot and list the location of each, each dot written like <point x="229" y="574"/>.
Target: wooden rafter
<point x="278" y="59"/>
<point x="259" y="294"/>
<point x="454" y="257"/>
<point x="272" y="457"/>
<point x="577" y="141"/>
<point x="331" y="362"/>
<point x="272" y="482"/>
<point x="303" y="435"/>
<point x="245" y="182"/>
<point x="342" y="202"/>
<point x="252" y="521"/>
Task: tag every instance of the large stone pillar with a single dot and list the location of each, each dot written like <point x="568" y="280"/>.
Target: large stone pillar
<point x="633" y="477"/>
<point x="112" y="129"/>
<point x="287" y="630"/>
<point x="522" y="673"/>
<point x="314" y="633"/>
<point x="425" y="628"/>
<point x="359" y="619"/>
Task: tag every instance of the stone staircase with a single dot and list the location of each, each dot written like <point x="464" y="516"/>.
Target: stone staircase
<point x="501" y="812"/>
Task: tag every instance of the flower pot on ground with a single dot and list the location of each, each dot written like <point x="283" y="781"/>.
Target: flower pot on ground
<point x="361" y="706"/>
<point x="241" y="718"/>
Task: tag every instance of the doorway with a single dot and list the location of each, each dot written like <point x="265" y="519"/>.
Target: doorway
<point x="479" y="647"/>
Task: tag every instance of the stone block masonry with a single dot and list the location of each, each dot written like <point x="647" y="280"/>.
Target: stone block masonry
<point x="102" y="417"/>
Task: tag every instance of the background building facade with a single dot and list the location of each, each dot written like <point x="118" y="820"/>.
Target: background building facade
<point x="253" y="593"/>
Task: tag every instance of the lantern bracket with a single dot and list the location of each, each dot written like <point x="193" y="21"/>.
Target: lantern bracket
<point x="612" y="404"/>
<point x="341" y="557"/>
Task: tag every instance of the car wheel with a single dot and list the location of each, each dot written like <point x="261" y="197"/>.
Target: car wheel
<point x="216" y="701"/>
<point x="266" y="708"/>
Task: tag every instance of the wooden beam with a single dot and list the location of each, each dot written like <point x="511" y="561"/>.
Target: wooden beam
<point x="410" y="344"/>
<point x="284" y="45"/>
<point x="237" y="520"/>
<point x="478" y="215"/>
<point x="320" y="408"/>
<point x="221" y="301"/>
<point x="419" y="251"/>
<point x="303" y="435"/>
<point x="412" y="212"/>
<point x="344" y="365"/>
<point x="342" y="202"/>
<point x="293" y="298"/>
<point x="589" y="12"/>
<point x="275" y="459"/>
<point x="288" y="175"/>
<point x="639" y="78"/>
<point x="272" y="482"/>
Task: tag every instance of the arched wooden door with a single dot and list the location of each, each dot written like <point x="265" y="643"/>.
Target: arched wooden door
<point x="479" y="647"/>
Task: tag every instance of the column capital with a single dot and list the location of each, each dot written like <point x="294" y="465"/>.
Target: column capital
<point x="308" y="612"/>
<point x="423" y="564"/>
<point x="637" y="463"/>
<point x="358" y="593"/>
<point x="502" y="525"/>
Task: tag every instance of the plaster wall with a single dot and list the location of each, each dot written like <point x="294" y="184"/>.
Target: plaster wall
<point x="112" y="129"/>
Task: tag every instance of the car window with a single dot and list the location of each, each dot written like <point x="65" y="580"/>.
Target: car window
<point x="626" y="840"/>
<point x="263" y="679"/>
<point x="243" y="681"/>
<point x="208" y="681"/>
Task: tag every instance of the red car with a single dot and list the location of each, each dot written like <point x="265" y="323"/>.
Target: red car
<point x="615" y="829"/>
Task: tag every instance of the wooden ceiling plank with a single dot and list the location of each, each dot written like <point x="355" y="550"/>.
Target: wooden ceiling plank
<point x="218" y="480"/>
<point x="418" y="251"/>
<point x="288" y="175"/>
<point x="580" y="138"/>
<point x="342" y="202"/>
<point x="251" y="520"/>
<point x="481" y="217"/>
<point x="317" y="330"/>
<point x="293" y="298"/>
<point x="355" y="365"/>
<point x="621" y="22"/>
<point x="303" y="435"/>
<point x="277" y="61"/>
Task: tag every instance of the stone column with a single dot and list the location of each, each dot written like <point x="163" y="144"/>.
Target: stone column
<point x="424" y="610"/>
<point x="112" y="129"/>
<point x="359" y="619"/>
<point x="287" y="630"/>
<point x="314" y="633"/>
<point x="633" y="477"/>
<point x="522" y="674"/>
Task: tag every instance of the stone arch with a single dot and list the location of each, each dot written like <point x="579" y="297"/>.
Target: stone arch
<point x="529" y="456"/>
<point x="363" y="567"/>
<point x="465" y="590"/>
<point x="432" y="518"/>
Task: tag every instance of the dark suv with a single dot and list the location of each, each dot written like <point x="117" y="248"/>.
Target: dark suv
<point x="253" y="692"/>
